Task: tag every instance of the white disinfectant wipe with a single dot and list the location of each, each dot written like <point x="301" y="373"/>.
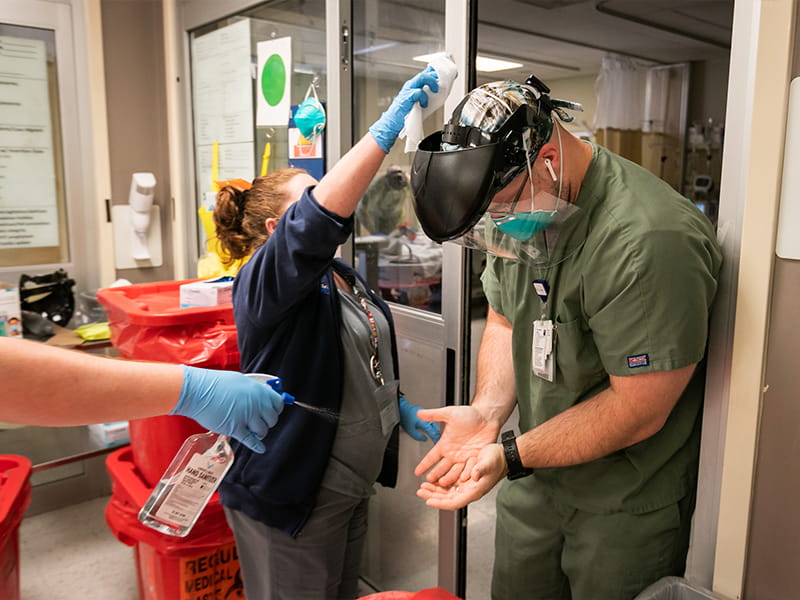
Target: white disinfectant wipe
<point x="446" y="70"/>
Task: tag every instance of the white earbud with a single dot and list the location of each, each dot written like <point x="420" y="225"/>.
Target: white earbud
<point x="549" y="167"/>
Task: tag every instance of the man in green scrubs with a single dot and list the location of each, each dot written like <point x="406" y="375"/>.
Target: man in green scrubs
<point x="599" y="295"/>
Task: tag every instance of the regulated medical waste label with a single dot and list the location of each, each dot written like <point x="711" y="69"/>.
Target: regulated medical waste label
<point x="214" y="575"/>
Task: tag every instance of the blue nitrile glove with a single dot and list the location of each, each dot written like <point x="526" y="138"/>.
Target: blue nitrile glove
<point x="414" y="426"/>
<point x="229" y="403"/>
<point x="386" y="129"/>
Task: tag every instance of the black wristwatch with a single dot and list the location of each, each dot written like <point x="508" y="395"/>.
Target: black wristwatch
<point x="515" y="468"/>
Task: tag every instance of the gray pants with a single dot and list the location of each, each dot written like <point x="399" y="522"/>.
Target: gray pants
<point x="322" y="563"/>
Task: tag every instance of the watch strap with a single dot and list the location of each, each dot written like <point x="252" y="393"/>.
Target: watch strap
<point x="515" y="469"/>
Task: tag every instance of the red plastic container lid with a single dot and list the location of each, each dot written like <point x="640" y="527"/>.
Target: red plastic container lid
<point x="15" y="474"/>
<point x="158" y="305"/>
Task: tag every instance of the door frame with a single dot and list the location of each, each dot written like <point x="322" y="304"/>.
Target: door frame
<point x="84" y="133"/>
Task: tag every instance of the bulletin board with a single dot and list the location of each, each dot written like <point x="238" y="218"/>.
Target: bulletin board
<point x="32" y="202"/>
<point x="222" y="104"/>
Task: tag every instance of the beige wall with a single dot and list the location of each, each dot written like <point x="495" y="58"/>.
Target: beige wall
<point x="578" y="89"/>
<point x="133" y="49"/>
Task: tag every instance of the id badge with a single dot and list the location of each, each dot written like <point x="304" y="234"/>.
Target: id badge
<point x="543" y="356"/>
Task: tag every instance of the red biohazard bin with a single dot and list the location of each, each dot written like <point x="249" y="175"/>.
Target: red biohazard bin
<point x="148" y="323"/>
<point x="204" y="564"/>
<point x="15" y="496"/>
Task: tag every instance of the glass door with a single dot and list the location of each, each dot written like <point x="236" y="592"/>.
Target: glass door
<point x="411" y="546"/>
<point x="389" y="41"/>
<point x="250" y="71"/>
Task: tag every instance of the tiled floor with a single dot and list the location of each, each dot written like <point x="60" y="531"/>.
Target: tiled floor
<point x="70" y="554"/>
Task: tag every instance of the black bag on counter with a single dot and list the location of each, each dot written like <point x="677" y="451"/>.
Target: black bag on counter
<point x="50" y="296"/>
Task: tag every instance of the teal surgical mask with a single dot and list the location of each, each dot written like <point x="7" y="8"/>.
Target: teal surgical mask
<point x="310" y="115"/>
<point x="523" y="226"/>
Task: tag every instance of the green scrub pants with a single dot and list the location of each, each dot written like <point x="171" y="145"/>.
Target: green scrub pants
<point x="545" y="550"/>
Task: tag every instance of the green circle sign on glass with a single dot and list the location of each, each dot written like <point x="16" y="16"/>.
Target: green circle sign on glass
<point x="273" y="80"/>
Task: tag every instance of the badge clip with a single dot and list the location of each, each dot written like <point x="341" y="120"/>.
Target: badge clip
<point x="542" y="289"/>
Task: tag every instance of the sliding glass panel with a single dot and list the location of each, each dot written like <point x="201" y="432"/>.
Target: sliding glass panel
<point x="396" y="257"/>
<point x="249" y="73"/>
<point x="391" y="41"/>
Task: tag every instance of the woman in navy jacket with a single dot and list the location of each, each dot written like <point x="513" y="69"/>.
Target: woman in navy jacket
<point x="298" y="511"/>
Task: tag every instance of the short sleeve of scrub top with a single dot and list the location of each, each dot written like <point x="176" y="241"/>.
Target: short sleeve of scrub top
<point x="647" y="301"/>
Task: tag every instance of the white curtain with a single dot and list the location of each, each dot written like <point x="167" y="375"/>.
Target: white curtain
<point x="657" y="100"/>
<point x="620" y="89"/>
<point x="636" y="116"/>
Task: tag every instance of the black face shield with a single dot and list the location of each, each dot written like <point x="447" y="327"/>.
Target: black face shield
<point x="494" y="133"/>
<point x="453" y="188"/>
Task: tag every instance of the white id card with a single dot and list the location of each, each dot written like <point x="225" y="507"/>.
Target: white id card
<point x="543" y="357"/>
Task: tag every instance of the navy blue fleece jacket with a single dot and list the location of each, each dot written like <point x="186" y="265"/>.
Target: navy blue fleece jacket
<point x="288" y="319"/>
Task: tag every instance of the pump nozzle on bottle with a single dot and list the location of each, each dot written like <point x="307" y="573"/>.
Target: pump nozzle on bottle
<point x="276" y="384"/>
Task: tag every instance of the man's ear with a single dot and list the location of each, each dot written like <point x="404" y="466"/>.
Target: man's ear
<point x="549" y="151"/>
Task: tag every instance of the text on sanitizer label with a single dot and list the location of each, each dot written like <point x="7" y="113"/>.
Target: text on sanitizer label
<point x="192" y="488"/>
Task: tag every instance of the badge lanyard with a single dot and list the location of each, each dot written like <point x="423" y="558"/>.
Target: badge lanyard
<point x="543" y="345"/>
<point x="374" y="361"/>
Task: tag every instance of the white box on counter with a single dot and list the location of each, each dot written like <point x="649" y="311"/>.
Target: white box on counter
<point x="10" y="312"/>
<point x="110" y="434"/>
<point x="208" y="292"/>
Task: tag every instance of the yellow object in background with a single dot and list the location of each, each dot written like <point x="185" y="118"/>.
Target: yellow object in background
<point x="265" y="158"/>
<point x="93" y="332"/>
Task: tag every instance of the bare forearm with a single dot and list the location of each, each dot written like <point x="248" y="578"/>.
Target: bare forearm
<point x="589" y="430"/>
<point x="343" y="186"/>
<point x="495" y="393"/>
<point x="630" y="411"/>
<point x="43" y="385"/>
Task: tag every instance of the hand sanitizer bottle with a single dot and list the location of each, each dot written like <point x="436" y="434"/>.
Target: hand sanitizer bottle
<point x="193" y="476"/>
<point x="188" y="483"/>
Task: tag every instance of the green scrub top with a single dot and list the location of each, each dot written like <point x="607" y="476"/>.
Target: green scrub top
<point x="633" y="298"/>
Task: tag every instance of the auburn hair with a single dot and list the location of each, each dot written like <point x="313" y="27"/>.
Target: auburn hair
<point x="239" y="215"/>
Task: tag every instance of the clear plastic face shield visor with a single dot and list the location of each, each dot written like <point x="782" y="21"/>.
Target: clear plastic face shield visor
<point x="524" y="220"/>
<point x="473" y="182"/>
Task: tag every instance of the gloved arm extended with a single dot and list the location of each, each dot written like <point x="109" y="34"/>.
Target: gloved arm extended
<point x="229" y="403"/>
<point x="414" y="426"/>
<point x="345" y="183"/>
<point x="386" y="129"/>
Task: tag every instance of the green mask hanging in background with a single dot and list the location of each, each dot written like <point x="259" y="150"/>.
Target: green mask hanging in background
<point x="309" y="117"/>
